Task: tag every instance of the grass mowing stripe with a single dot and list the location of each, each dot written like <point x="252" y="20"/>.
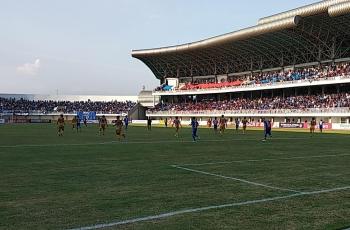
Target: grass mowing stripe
<point x="192" y="210"/>
<point x="266" y="159"/>
<point x="57" y="145"/>
<point x="236" y="179"/>
<point x="144" y="142"/>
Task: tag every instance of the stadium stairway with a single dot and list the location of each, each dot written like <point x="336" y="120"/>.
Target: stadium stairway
<point x="138" y="112"/>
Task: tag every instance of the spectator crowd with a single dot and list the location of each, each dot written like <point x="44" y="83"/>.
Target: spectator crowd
<point x="310" y="74"/>
<point x="294" y="102"/>
<point x="113" y="107"/>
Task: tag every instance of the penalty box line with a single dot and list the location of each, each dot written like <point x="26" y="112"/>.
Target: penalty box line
<point x="214" y="207"/>
<point x="235" y="179"/>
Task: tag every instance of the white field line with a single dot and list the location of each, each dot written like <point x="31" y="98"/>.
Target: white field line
<point x="149" y="142"/>
<point x="235" y="179"/>
<point x="266" y="159"/>
<point x="193" y="210"/>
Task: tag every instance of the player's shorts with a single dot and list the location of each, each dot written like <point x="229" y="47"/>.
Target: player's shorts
<point x="194" y="132"/>
<point x="222" y="127"/>
<point x="244" y="127"/>
<point x="118" y="132"/>
<point x="268" y="131"/>
<point x="312" y="127"/>
<point x="103" y="127"/>
<point x="215" y="127"/>
<point x="61" y="128"/>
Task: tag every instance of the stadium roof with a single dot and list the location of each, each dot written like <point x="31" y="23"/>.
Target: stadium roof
<point x="313" y="33"/>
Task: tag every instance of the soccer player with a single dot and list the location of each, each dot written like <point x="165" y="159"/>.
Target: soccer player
<point x="312" y="126"/>
<point x="267" y="128"/>
<point x="194" y="124"/>
<point x="209" y="122"/>
<point x="126" y="122"/>
<point x="60" y="125"/>
<point x="85" y="121"/>
<point x="215" y="123"/>
<point x="78" y="125"/>
<point x="244" y="122"/>
<point x="103" y="125"/>
<point x="177" y="124"/>
<point x="166" y="122"/>
<point x="321" y="126"/>
<point x="119" y="129"/>
<point x="237" y="124"/>
<point x="74" y="122"/>
<point x="149" y="124"/>
<point x="222" y="125"/>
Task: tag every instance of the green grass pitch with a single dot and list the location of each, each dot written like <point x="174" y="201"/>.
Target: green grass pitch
<point x="292" y="181"/>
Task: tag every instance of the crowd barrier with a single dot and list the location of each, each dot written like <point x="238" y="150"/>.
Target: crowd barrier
<point x="40" y="121"/>
<point x="255" y="112"/>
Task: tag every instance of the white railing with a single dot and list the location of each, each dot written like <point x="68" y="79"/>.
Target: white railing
<point x="283" y="83"/>
<point x="342" y="110"/>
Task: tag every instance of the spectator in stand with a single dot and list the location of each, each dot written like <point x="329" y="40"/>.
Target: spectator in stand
<point x="341" y="100"/>
<point x="113" y="107"/>
<point x="310" y="74"/>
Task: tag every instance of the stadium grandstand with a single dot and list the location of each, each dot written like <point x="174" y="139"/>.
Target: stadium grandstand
<point x="290" y="67"/>
<point x="246" y="130"/>
<point x="24" y="108"/>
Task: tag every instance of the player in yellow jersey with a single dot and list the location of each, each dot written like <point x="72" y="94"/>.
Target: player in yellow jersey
<point x="209" y="123"/>
<point x="177" y="124"/>
<point x="74" y="122"/>
<point x="222" y="124"/>
<point x="103" y="125"/>
<point x="312" y="125"/>
<point x="119" y="128"/>
<point x="244" y="123"/>
<point x="60" y="125"/>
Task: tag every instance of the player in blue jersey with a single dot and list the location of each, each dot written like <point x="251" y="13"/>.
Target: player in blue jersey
<point x="320" y="125"/>
<point x="267" y="128"/>
<point x="149" y="124"/>
<point x="215" y="123"/>
<point x="194" y="125"/>
<point x="78" y="125"/>
<point x="126" y="122"/>
<point x="237" y="124"/>
<point x="85" y="121"/>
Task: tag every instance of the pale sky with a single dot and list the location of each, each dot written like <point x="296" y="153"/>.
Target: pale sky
<point x="84" y="46"/>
